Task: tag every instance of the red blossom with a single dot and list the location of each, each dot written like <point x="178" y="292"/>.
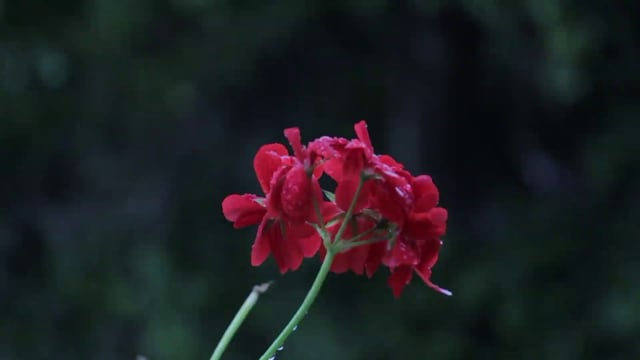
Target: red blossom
<point x="394" y="213"/>
<point x="290" y="188"/>
<point x="418" y="242"/>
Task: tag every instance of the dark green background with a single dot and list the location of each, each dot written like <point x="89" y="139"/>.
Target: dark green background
<point x="125" y="123"/>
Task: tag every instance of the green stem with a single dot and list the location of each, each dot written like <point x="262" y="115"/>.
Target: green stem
<point x="349" y="212"/>
<point x="304" y="307"/>
<point x="238" y="319"/>
<point x="349" y="244"/>
<point x="357" y="240"/>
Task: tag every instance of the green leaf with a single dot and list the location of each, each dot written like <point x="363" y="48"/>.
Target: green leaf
<point x="331" y="196"/>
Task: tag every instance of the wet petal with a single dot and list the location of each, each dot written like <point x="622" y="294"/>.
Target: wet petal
<point x="328" y="210"/>
<point x="429" y="255"/>
<point x="295" y="140"/>
<point x="333" y="168"/>
<point x="310" y="245"/>
<point x="267" y="160"/>
<point x="297" y="195"/>
<point x="401" y="254"/>
<point x="399" y="278"/>
<point x="356" y="158"/>
<point x="346" y="191"/>
<point x="363" y="133"/>
<point x="374" y="257"/>
<point x="426" y="278"/>
<point x="340" y="263"/>
<point x="274" y="197"/>
<point x="261" y="248"/>
<point x="243" y="210"/>
<point x="285" y="248"/>
<point x="426" y="193"/>
<point x="352" y="259"/>
<point x="438" y="216"/>
<point x="389" y="161"/>
<point x="386" y="200"/>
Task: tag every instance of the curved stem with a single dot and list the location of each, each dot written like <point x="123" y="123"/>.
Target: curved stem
<point x="304" y="307"/>
<point x="238" y="319"/>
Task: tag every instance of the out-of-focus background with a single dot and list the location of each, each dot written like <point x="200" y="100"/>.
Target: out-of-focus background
<point x="125" y="123"/>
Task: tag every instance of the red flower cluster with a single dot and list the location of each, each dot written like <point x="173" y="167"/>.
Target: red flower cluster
<point x="390" y="217"/>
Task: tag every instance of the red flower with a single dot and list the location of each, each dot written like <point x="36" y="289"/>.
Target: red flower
<point x="294" y="185"/>
<point x="348" y="161"/>
<point x="290" y="187"/>
<point x="398" y="197"/>
<point x="418" y="243"/>
<point x="394" y="213"/>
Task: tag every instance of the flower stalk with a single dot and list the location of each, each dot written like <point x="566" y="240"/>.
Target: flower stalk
<point x="332" y="249"/>
<point x="349" y="213"/>
<point x="304" y="307"/>
<point x="295" y="221"/>
<point x="238" y="319"/>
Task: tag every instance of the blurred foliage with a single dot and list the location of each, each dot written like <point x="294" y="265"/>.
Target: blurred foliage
<point x="125" y="123"/>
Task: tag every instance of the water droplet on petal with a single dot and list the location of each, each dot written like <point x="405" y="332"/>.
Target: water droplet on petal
<point x="281" y="348"/>
<point x="295" y="328"/>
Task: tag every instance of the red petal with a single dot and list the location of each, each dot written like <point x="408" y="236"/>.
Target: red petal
<point x="261" y="248"/>
<point x="425" y="192"/>
<point x="363" y="133"/>
<point x="318" y="170"/>
<point x="340" y="263"/>
<point x="399" y="278"/>
<point x="285" y="249"/>
<point x="295" y="140"/>
<point x="426" y="278"/>
<point x="306" y="237"/>
<point x="328" y="148"/>
<point x="322" y="252"/>
<point x="390" y="161"/>
<point x="429" y="255"/>
<point x="346" y="191"/>
<point x="356" y="157"/>
<point x="297" y="195"/>
<point x="356" y="258"/>
<point x="243" y="210"/>
<point x="385" y="199"/>
<point x="267" y="160"/>
<point x="359" y="258"/>
<point x="310" y="245"/>
<point x="429" y="259"/>
<point x="329" y="210"/>
<point x="374" y="257"/>
<point x="274" y="197"/>
<point x="401" y="254"/>
<point x="333" y="168"/>
<point x="427" y="225"/>
<point x="298" y="231"/>
<point x="353" y="259"/>
<point x="438" y="216"/>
